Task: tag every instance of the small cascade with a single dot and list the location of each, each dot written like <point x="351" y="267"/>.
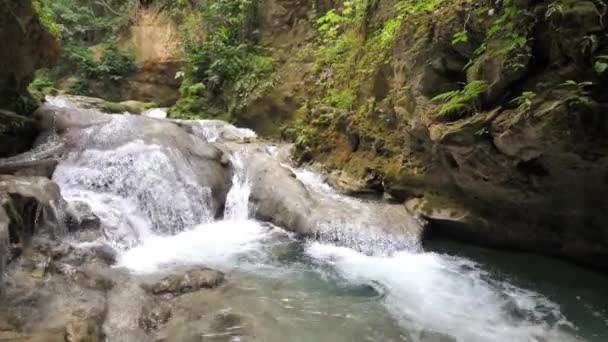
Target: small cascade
<point x="357" y="224"/>
<point x="140" y="174"/>
<point x="237" y="201"/>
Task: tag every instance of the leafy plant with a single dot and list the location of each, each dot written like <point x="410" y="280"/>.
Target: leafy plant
<point x="524" y="101"/>
<point x="579" y="93"/>
<point x="601" y="64"/>
<point x="460" y="102"/>
<point x="114" y="64"/>
<point x="460" y="37"/>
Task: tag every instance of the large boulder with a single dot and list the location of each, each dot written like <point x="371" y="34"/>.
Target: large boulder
<point x="278" y="197"/>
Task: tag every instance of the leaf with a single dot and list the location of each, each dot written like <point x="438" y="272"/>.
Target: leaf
<point x="600" y="67"/>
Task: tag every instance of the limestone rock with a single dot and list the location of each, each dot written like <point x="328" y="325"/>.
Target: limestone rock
<point x="189" y="281"/>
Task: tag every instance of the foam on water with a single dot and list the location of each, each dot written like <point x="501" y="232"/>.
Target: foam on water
<point x="216" y="130"/>
<point x="219" y="244"/>
<point x="449" y="295"/>
<point x="157" y="113"/>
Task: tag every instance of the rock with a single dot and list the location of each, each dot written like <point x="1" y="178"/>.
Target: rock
<point x="83" y="330"/>
<point x="131" y="106"/>
<point x="4" y="242"/>
<point x="152" y="317"/>
<point x="37" y="168"/>
<point x="34" y="205"/>
<point x="34" y="337"/>
<point x="51" y="117"/>
<point x="351" y="186"/>
<point x="277" y="196"/>
<point x="29" y="47"/>
<point x="189" y="281"/>
<point x="82" y="217"/>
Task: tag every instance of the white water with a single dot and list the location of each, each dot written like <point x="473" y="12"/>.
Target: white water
<point x="155" y="215"/>
<point x="157" y="113"/>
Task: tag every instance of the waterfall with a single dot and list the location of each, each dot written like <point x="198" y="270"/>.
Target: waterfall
<point x="358" y="224"/>
<point x="237" y="201"/>
<point x="158" y="217"/>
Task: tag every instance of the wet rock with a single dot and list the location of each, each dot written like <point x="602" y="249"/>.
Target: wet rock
<point x="34" y="205"/>
<point x="50" y="117"/>
<point x="189" y="281"/>
<point x="39" y="168"/>
<point x="277" y="196"/>
<point x="4" y="242"/>
<point x="351" y="186"/>
<point x="34" y="337"/>
<point x="433" y="336"/>
<point x="153" y="316"/>
<point x="131" y="106"/>
<point x="82" y="217"/>
<point x="83" y="330"/>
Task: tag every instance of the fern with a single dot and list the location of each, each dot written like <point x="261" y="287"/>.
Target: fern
<point x="460" y="102"/>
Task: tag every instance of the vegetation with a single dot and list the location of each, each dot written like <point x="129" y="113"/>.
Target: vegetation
<point x="80" y="25"/>
<point x="460" y="102"/>
<point x="225" y="70"/>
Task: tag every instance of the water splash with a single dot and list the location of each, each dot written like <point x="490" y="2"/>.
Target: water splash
<point x="157" y="113"/>
<point x="451" y="296"/>
<point x="216" y="130"/>
<point x="237" y="201"/>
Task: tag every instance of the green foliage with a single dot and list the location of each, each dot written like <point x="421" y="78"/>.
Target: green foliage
<point x="88" y="21"/>
<point x="579" y="94"/>
<point x="46" y="17"/>
<point x="507" y="35"/>
<point x="344" y="99"/>
<point x="226" y="70"/>
<point x="601" y="65"/>
<point x="460" y="37"/>
<point x="114" y="64"/>
<point x="524" y="101"/>
<point x="42" y="85"/>
<point x="457" y="103"/>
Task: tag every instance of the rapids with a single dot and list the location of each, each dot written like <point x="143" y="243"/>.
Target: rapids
<point x="351" y="283"/>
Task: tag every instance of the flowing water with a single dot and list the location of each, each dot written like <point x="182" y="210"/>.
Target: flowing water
<point x="351" y="284"/>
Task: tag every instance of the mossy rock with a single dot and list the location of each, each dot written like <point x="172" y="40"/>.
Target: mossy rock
<point x="131" y="106"/>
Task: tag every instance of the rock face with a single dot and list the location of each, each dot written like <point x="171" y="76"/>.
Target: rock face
<point x="31" y="47"/>
<point x="28" y="47"/>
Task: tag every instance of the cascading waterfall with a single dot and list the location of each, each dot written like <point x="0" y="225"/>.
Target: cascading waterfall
<point x="355" y="275"/>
